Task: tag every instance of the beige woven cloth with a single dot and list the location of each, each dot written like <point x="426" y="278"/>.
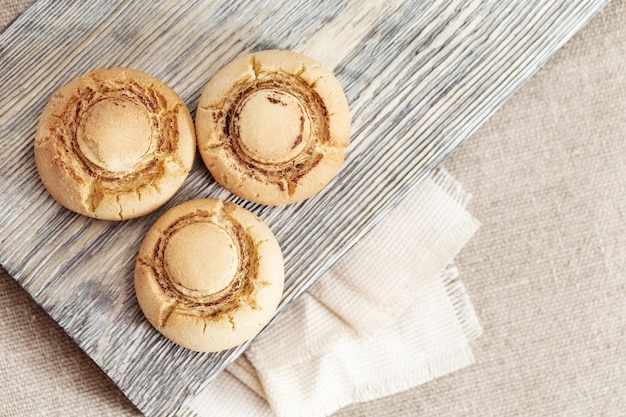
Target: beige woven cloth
<point x="546" y="271"/>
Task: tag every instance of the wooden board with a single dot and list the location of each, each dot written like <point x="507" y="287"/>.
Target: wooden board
<point x="420" y="77"/>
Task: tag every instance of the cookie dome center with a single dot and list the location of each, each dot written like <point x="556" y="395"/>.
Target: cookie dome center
<point x="201" y="257"/>
<point x="273" y="126"/>
<point x="114" y="134"/>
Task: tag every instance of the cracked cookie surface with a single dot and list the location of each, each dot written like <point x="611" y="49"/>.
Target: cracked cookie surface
<point x="209" y="275"/>
<point x="272" y="127"/>
<point x="114" y="144"/>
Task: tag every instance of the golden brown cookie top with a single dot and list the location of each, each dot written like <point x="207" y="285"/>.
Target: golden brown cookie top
<point x="114" y="134"/>
<point x="114" y="144"/>
<point x="209" y="275"/>
<point x="273" y="126"/>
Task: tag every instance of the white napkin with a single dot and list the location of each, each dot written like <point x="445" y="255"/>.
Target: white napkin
<point x="389" y="316"/>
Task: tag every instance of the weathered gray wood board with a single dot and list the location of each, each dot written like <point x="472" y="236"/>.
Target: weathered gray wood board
<point x="420" y="77"/>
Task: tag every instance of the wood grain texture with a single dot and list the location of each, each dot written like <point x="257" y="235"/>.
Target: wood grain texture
<point x="420" y="77"/>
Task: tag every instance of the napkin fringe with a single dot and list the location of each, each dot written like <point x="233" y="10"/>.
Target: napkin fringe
<point x="463" y="307"/>
<point x="451" y="186"/>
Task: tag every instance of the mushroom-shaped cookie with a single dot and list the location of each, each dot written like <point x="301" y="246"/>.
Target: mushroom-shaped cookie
<point x="114" y="144"/>
<point x="272" y="127"/>
<point x="209" y="275"/>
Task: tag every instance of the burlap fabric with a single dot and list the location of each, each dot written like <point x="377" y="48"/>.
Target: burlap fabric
<point x="546" y="271"/>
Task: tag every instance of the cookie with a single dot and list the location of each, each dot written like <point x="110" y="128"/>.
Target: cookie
<point x="273" y="126"/>
<point x="114" y="144"/>
<point x="209" y="275"/>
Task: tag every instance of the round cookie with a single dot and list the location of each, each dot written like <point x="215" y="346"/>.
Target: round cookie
<point x="209" y="275"/>
<point x="114" y="144"/>
<point x="272" y="127"/>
